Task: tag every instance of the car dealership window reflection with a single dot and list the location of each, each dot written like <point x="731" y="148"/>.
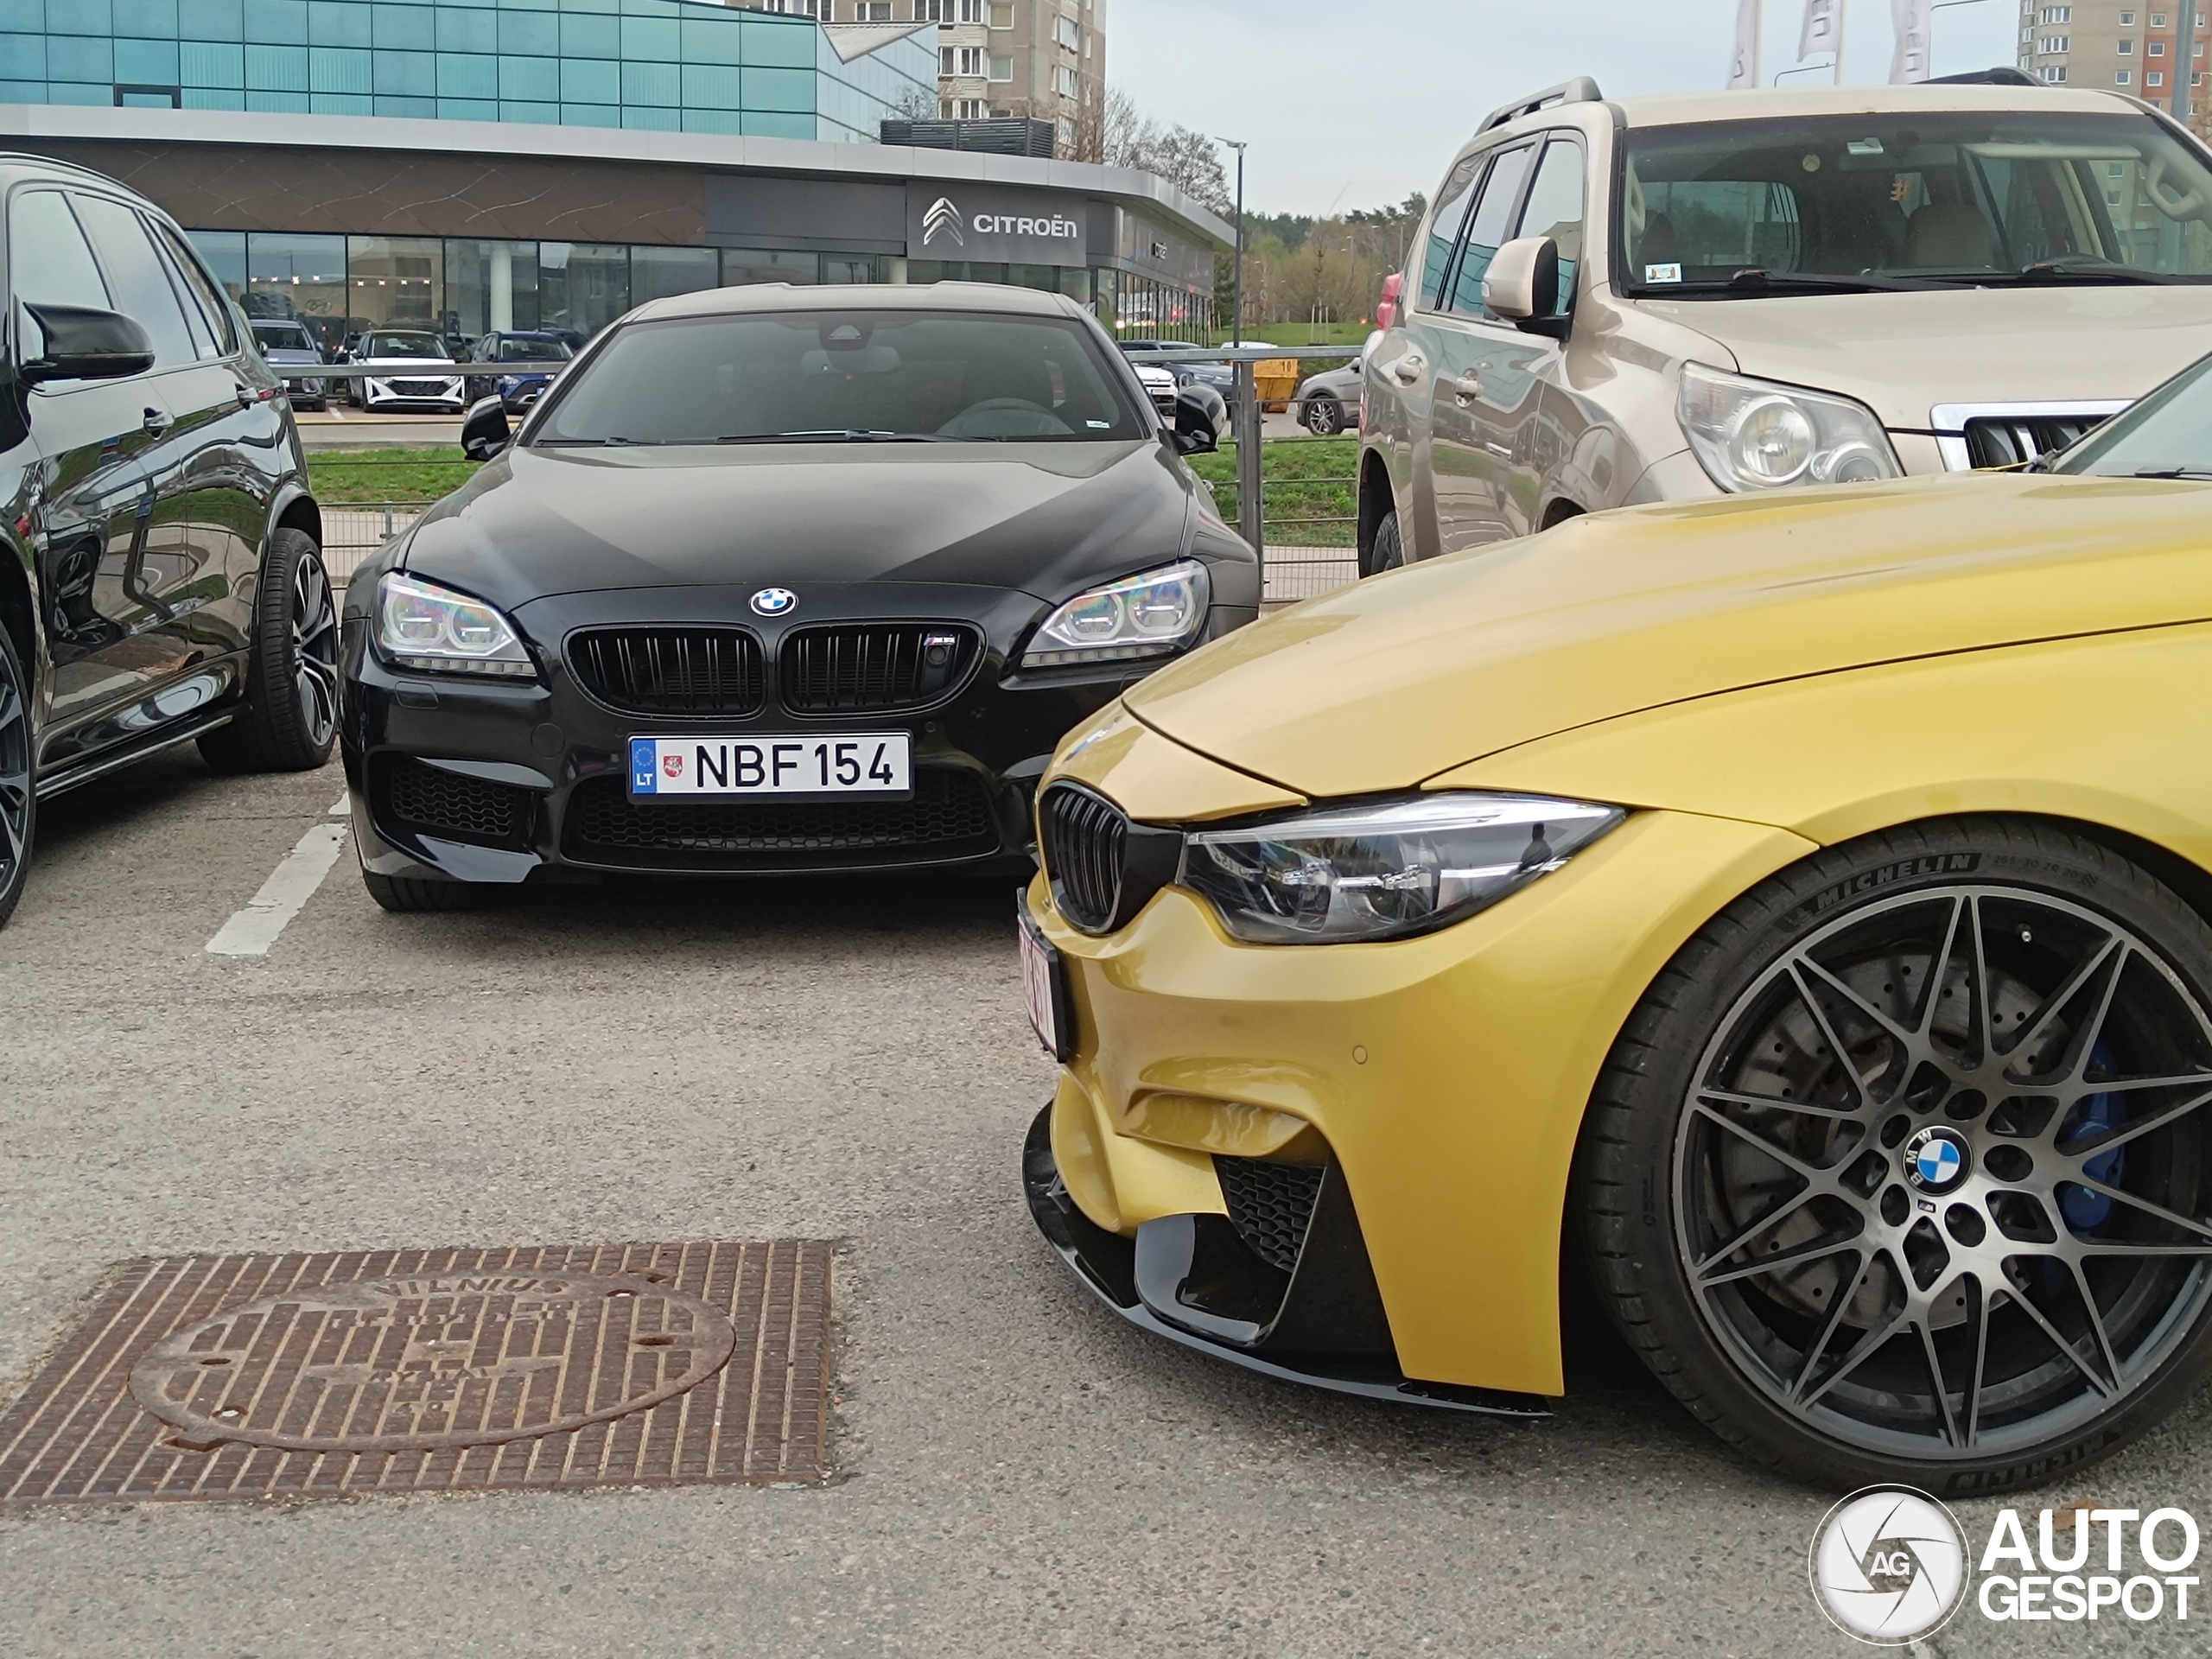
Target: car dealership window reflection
<point x="465" y="288"/>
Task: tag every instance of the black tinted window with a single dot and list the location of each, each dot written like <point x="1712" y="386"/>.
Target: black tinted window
<point x="199" y="293"/>
<point x="404" y="346"/>
<point x="137" y="279"/>
<point x="829" y="374"/>
<point x="1487" y="226"/>
<point x="50" y="263"/>
<point x="283" y="337"/>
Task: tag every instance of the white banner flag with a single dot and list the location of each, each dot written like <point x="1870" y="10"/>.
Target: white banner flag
<point x="1744" y="61"/>
<point x="1914" y="22"/>
<point x="1819" y="33"/>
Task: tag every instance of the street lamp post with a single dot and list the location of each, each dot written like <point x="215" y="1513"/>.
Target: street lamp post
<point x="1237" y="322"/>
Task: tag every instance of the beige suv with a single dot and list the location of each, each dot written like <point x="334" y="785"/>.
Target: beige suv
<point x="1669" y="298"/>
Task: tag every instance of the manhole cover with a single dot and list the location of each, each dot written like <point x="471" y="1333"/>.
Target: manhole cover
<point x="432" y="1360"/>
<point x="435" y="1371"/>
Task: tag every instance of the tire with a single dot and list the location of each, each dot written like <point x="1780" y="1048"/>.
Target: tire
<point x="1389" y="552"/>
<point x="1323" y="416"/>
<point x="412" y="896"/>
<point x="290" y="719"/>
<point x="1800" y="1258"/>
<point x="18" y="790"/>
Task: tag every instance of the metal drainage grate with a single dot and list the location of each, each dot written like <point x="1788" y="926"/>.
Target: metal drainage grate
<point x="435" y="1371"/>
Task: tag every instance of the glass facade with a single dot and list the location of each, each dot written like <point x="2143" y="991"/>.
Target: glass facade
<point x="687" y="65"/>
<point x="464" y="288"/>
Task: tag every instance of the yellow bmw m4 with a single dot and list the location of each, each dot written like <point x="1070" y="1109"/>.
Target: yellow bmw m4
<point x="1796" y="907"/>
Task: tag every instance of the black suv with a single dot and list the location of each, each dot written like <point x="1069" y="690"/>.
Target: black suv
<point x="161" y="570"/>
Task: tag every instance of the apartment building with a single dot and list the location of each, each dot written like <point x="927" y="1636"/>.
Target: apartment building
<point x="2134" y="48"/>
<point x="1046" y="59"/>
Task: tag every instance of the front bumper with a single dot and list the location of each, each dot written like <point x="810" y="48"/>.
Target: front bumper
<point x="478" y="780"/>
<point x="1150" y="1282"/>
<point x="1445" y="1076"/>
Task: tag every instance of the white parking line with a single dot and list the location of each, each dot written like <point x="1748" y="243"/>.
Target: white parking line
<point x="251" y="932"/>
<point x="342" y="806"/>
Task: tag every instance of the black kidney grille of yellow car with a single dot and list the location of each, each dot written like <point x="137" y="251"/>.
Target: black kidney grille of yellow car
<point x="1103" y="868"/>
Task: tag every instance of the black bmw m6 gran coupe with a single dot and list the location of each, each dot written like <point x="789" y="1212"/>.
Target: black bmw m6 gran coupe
<point x="777" y="580"/>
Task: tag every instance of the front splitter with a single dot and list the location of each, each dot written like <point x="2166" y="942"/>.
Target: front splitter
<point x="1106" y="1262"/>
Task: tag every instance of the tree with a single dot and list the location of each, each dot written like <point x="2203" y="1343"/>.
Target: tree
<point x="1184" y="156"/>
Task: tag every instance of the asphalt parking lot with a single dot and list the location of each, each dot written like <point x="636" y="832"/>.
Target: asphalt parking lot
<point x="1015" y="1471"/>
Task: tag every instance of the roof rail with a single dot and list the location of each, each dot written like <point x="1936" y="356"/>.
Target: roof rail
<point x="1580" y="90"/>
<point x="2003" y="75"/>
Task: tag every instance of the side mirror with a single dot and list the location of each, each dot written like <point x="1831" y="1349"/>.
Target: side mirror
<point x="1521" y="285"/>
<point x="483" y="431"/>
<point x="1201" y="419"/>
<point x="83" y="343"/>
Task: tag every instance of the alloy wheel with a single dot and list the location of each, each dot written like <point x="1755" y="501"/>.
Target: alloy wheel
<point x="315" y="650"/>
<point x="1941" y="1179"/>
<point x="15" y="784"/>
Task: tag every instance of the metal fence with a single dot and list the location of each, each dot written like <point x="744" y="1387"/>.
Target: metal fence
<point x="354" y="531"/>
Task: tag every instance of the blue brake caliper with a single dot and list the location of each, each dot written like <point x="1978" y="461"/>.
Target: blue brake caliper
<point x="2086" y="1212"/>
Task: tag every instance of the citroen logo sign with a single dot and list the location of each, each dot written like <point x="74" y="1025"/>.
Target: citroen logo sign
<point x="942" y="219"/>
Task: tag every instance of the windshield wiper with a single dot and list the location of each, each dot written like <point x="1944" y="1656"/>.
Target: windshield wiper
<point x="2088" y="267"/>
<point x="2171" y="471"/>
<point x="578" y="443"/>
<point x="1757" y="279"/>
<point x="836" y="435"/>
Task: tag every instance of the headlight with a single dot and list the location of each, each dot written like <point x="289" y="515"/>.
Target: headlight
<point x="1155" y="614"/>
<point x="1346" y="873"/>
<point x="420" y="624"/>
<point x="1754" y="434"/>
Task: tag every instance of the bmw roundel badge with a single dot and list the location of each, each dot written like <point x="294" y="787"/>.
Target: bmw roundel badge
<point x="1937" y="1158"/>
<point x="775" y="601"/>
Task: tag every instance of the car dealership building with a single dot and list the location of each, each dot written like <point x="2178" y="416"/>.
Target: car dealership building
<point x="366" y="207"/>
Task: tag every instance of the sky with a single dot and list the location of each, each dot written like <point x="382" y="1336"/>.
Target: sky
<point x="1352" y="104"/>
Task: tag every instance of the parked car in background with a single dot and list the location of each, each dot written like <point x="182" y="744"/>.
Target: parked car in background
<point x="1679" y="298"/>
<point x="1327" y="403"/>
<point x="777" y="580"/>
<point x="407" y="369"/>
<point x="161" y="578"/>
<point x="287" y="345"/>
<point x="1164" y="354"/>
<point x="516" y="393"/>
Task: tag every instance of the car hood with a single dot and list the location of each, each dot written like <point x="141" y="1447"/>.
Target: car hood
<point x="1046" y="517"/>
<point x="411" y="364"/>
<point x="1903" y="354"/>
<point x="1384" y="684"/>
<point x="289" y="356"/>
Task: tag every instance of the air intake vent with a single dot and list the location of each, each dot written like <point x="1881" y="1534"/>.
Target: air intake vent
<point x="421" y="798"/>
<point x="2007" y="440"/>
<point x="1085" y="837"/>
<point x="949" y="819"/>
<point x="875" y="667"/>
<point x="671" y="671"/>
<point x="1270" y="1205"/>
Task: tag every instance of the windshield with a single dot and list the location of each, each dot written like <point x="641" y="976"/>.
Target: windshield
<point x="1912" y="200"/>
<point x="532" y="350"/>
<point x="283" y="337"/>
<point x="829" y="376"/>
<point x="2165" y="434"/>
<point x="404" y="346"/>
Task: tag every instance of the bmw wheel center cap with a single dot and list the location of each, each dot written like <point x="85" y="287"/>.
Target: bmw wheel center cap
<point x="1938" y="1159"/>
<point x="775" y="601"/>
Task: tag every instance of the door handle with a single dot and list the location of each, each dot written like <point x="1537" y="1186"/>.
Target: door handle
<point x="1467" y="388"/>
<point x="157" y="422"/>
<point x="1406" y="370"/>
